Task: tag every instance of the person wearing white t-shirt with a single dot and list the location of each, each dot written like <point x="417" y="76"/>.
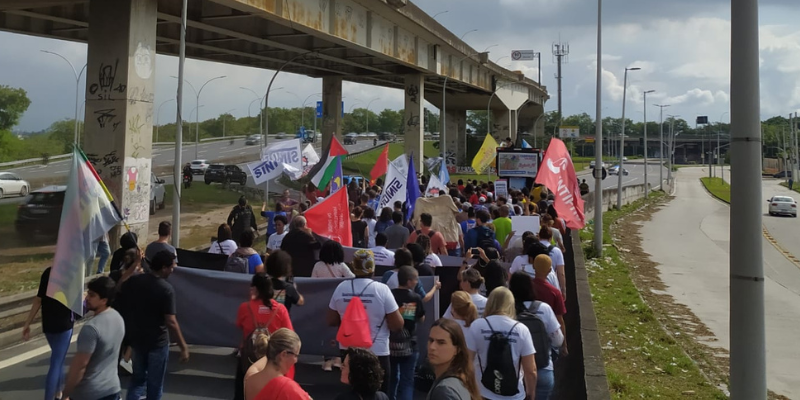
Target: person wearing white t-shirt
<point x="524" y="297"/>
<point x="382" y="311"/>
<point x="545" y="235"/>
<point x="470" y="281"/>
<point x="275" y="240"/>
<point x="499" y="316"/>
<point x="524" y="262"/>
<point x="383" y="256"/>
<point x="331" y="262"/>
<point x="224" y="244"/>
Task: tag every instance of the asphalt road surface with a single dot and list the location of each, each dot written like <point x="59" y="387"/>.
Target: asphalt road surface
<point x="209" y="374"/>
<point x="690" y="238"/>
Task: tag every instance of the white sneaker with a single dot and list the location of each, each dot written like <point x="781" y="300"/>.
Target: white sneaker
<point x="337" y="362"/>
<point x="327" y="366"/>
<point x="127" y="366"/>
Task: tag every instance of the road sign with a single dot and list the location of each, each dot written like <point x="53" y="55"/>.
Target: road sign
<point x="522" y="55"/>
<point x="599" y="171"/>
<point x="319" y="109"/>
<point x="569" y="132"/>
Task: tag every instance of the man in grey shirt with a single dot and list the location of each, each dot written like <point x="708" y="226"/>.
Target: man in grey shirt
<point x="93" y="370"/>
<point x="164" y="233"/>
<point x="397" y="234"/>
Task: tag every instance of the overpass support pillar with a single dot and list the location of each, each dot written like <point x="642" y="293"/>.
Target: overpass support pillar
<point x="331" y="110"/>
<point x="413" y="117"/>
<point x="501" y="124"/>
<point x="456" y="137"/>
<point x="513" y="125"/>
<point x="120" y="87"/>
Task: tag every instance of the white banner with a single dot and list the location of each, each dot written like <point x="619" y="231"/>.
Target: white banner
<point x="501" y="188"/>
<point x="435" y="187"/>
<point x="273" y="157"/>
<point x="395" y="187"/>
<point x="310" y="156"/>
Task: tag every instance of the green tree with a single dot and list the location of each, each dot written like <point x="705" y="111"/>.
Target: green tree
<point x="13" y="103"/>
<point x="390" y="121"/>
<point x="583" y="121"/>
<point x="63" y="132"/>
<point x="476" y="120"/>
<point x="432" y="122"/>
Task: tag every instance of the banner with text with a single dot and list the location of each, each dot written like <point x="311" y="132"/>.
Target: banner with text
<point x="395" y="187"/>
<point x="273" y="157"/>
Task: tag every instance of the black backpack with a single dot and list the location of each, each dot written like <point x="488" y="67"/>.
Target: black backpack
<point x="541" y="340"/>
<point x="485" y="238"/>
<point x="243" y="218"/>
<point x="500" y="376"/>
<point x="539" y="248"/>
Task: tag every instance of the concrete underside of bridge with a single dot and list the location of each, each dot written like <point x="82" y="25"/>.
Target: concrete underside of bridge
<point x="389" y="43"/>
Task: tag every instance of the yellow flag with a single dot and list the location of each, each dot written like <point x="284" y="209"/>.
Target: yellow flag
<point x="486" y="154"/>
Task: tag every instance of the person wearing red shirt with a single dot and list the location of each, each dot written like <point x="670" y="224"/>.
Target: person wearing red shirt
<point x="263" y="310"/>
<point x="548" y="293"/>
<point x="271" y="382"/>
<point x="438" y="244"/>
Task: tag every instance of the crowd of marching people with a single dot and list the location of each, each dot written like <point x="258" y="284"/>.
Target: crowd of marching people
<point x="500" y="337"/>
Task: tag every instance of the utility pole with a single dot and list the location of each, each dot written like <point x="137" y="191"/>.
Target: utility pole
<point x="646" y="187"/>
<point x="661" y="144"/>
<point x="561" y="54"/>
<point x="177" y="169"/>
<point x="598" y="140"/>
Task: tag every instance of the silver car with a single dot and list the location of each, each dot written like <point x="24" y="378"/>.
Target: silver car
<point x="782" y="205"/>
<point x="11" y="183"/>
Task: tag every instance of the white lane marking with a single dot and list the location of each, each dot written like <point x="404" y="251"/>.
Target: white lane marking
<point x="31" y="354"/>
<point x="61" y="172"/>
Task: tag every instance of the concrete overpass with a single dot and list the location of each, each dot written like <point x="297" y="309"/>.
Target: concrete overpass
<point x="389" y="43"/>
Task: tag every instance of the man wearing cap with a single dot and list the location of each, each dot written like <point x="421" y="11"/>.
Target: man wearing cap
<point x="382" y="310"/>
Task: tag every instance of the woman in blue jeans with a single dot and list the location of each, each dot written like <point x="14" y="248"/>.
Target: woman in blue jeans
<point x="57" y="323"/>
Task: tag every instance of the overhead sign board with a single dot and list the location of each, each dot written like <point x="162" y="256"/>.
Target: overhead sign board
<point x="569" y="132"/>
<point x="522" y="55"/>
<point x="318" y="111"/>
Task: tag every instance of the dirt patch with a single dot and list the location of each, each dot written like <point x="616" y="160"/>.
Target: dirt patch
<point x="694" y="337"/>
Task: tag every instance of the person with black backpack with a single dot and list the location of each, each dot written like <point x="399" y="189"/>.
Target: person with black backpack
<point x="241" y="218"/>
<point x="544" y="327"/>
<point x="481" y="236"/>
<point x="504" y="350"/>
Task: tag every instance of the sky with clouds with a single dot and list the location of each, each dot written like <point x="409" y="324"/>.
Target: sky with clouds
<point x="681" y="46"/>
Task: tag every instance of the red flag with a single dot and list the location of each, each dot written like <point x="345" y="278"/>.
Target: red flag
<point x="558" y="174"/>
<point x="336" y="148"/>
<point x="330" y="218"/>
<point x="382" y="166"/>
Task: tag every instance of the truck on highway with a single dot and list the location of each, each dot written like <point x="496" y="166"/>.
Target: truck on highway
<point x="306" y="136"/>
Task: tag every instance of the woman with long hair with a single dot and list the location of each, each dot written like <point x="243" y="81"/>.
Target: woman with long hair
<point x="369" y="217"/>
<point x="268" y="378"/>
<point x="462" y="310"/>
<point x="430" y="257"/>
<point x="500" y="317"/>
<point x="521" y="287"/>
<point x="262" y="312"/>
<point x="359" y="229"/>
<point x="449" y="356"/>
<point x="384" y="221"/>
<point x="224" y="244"/>
<point x="362" y="371"/>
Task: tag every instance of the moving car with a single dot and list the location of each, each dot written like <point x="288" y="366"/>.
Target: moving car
<point x="280" y="135"/>
<point x="158" y="194"/>
<point x="592" y="164"/>
<point x="351" y="138"/>
<point x="615" y="170"/>
<point x="782" y="205"/>
<point x="199" y="166"/>
<point x="783" y="174"/>
<point x="253" y="140"/>
<point x="305" y="136"/>
<point x="11" y="183"/>
<point x="41" y="212"/>
<point x="225" y="173"/>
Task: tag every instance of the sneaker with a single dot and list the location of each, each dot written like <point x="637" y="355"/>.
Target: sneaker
<point x="327" y="366"/>
<point x="337" y="362"/>
<point x="127" y="366"/>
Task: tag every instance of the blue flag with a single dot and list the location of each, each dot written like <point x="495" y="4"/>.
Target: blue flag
<point x="337" y="180"/>
<point x="525" y="145"/>
<point x="444" y="174"/>
<point x="412" y="187"/>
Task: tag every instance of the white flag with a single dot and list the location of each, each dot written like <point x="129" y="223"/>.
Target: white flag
<point x="310" y="156"/>
<point x="435" y="187"/>
<point x="273" y="158"/>
<point x="395" y="187"/>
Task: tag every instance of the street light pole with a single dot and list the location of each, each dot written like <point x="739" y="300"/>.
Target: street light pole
<point x="598" y="141"/>
<point x="197" y="116"/>
<point x="646" y="187"/>
<point x="722" y="165"/>
<point x="177" y="173"/>
<point x="77" y="89"/>
<point x="158" y="114"/>
<point x="622" y="138"/>
<point x="671" y="146"/>
<point x="661" y="144"/>
<point x="303" y="114"/>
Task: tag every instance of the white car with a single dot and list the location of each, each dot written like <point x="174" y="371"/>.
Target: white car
<point x="158" y="194"/>
<point x="782" y="205"/>
<point x="11" y="183"/>
<point x="615" y="170"/>
<point x="592" y="164"/>
<point x="199" y="166"/>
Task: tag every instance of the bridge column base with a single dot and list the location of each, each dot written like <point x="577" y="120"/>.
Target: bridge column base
<point x="120" y="87"/>
<point x="456" y="137"/>
<point x="501" y="124"/>
<point x="331" y="110"/>
<point x="413" y="116"/>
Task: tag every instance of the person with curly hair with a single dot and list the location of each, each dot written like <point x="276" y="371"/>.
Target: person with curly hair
<point x="362" y="371"/>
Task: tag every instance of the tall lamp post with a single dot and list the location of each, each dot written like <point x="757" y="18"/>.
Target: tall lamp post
<point x="367" y="113"/>
<point x="197" y="116"/>
<point x="598" y="143"/>
<point x="77" y="89"/>
<point x="260" y="111"/>
<point x="622" y="138"/>
<point x="303" y="113"/>
<point x="646" y="187"/>
<point x="661" y="143"/>
<point x="158" y="114"/>
<point x="721" y="164"/>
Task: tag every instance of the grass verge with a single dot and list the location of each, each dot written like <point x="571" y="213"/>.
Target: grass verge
<point x="8" y="213"/>
<point x="362" y="164"/>
<point x="796" y="186"/>
<point x="201" y="197"/>
<point x="642" y="360"/>
<point x="718" y="188"/>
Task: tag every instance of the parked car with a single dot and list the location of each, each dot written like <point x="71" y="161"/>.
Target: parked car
<point x="11" y="183"/>
<point x="253" y="140"/>
<point x="351" y="138"/>
<point x="783" y="174"/>
<point x="615" y="170"/>
<point x="782" y="205"/>
<point x="386" y="136"/>
<point x="199" y="166"/>
<point x="158" y="194"/>
<point x="358" y="179"/>
<point x="41" y="212"/>
<point x="220" y="173"/>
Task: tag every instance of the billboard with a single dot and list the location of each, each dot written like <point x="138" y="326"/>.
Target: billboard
<point x="523" y="163"/>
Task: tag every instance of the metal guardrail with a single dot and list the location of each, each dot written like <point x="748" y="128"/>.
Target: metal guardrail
<point x="33" y="160"/>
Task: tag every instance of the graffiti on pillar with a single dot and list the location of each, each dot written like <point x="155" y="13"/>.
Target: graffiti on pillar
<point x="143" y="61"/>
<point x="412" y="91"/>
<point x="413" y="120"/>
<point x="106" y="80"/>
<point x="450" y="158"/>
<point x="323" y="5"/>
<point x="136" y="193"/>
<point x="137" y="94"/>
<point x="131" y="177"/>
<point x="110" y="159"/>
<point x="135" y="124"/>
<point x="106" y="117"/>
